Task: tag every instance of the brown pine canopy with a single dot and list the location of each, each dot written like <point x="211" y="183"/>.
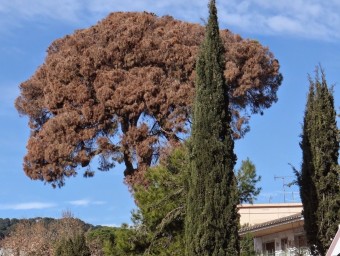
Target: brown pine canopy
<point x="122" y="88"/>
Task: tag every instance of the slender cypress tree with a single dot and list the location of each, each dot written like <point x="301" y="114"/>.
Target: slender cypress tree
<point x="305" y="177"/>
<point x="211" y="225"/>
<point x="319" y="178"/>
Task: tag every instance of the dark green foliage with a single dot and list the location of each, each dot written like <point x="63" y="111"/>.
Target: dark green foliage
<point x="101" y="240"/>
<point x="64" y="248"/>
<point x="160" y="218"/>
<point x="79" y="246"/>
<point x="246" y="182"/>
<point x="305" y="179"/>
<point x="73" y="247"/>
<point x="6" y="226"/>
<point x="162" y="205"/>
<point x="247" y="245"/>
<point x="211" y="225"/>
<point x="319" y="177"/>
<point x="123" y="241"/>
<point x="128" y="241"/>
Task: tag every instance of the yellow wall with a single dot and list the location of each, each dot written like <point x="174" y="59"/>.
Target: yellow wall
<point x="259" y="213"/>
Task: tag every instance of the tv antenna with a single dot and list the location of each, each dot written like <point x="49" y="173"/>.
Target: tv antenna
<point x="284" y="184"/>
<point x="270" y="199"/>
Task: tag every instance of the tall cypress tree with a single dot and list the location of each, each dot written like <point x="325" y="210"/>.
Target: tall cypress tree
<point x="319" y="178"/>
<point x="305" y="177"/>
<point x="211" y="226"/>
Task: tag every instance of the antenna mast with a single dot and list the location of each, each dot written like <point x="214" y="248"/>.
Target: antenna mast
<point x="284" y="184"/>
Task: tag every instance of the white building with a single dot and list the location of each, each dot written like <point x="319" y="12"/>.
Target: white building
<point x="281" y="237"/>
<point x="334" y="249"/>
<point x="278" y="229"/>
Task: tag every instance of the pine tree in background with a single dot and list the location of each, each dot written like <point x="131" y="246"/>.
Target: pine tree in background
<point x="212" y="220"/>
<point x="319" y="178"/>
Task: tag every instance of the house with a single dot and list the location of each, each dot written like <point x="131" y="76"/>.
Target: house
<point x="334" y="249"/>
<point x="281" y="237"/>
<point x="277" y="228"/>
<point x="252" y="214"/>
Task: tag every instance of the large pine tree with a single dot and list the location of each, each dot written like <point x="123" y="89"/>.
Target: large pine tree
<point x="212" y="218"/>
<point x="319" y="178"/>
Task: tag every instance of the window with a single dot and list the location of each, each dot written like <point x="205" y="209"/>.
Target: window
<point x="300" y="241"/>
<point x="269" y="248"/>
<point x="284" y="244"/>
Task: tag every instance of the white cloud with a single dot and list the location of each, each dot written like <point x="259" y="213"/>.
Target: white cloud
<point x="86" y="202"/>
<point x="110" y="225"/>
<point x="299" y="18"/>
<point x="98" y="202"/>
<point x="284" y="24"/>
<point x="62" y="10"/>
<point x="81" y="202"/>
<point x="27" y="206"/>
<point x="144" y="5"/>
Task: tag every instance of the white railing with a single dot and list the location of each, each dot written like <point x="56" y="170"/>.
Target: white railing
<point x="303" y="251"/>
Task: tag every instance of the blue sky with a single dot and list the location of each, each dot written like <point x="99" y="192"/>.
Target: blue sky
<point x="301" y="34"/>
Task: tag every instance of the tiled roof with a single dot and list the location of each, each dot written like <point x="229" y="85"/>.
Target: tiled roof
<point x="276" y="222"/>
